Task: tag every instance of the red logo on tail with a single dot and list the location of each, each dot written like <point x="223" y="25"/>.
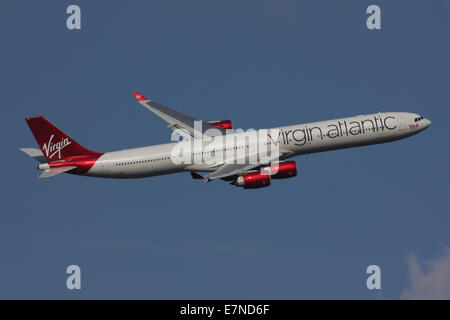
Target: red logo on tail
<point x="54" y="143"/>
<point x="51" y="149"/>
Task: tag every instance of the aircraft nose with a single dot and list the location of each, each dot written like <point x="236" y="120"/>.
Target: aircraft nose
<point x="427" y="123"/>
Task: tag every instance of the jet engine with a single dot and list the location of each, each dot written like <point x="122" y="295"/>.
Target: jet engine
<point x="282" y="170"/>
<point x="253" y="180"/>
<point x="224" y="124"/>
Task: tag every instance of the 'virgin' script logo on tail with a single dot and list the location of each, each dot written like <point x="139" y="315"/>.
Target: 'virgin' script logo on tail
<point x="51" y="149"/>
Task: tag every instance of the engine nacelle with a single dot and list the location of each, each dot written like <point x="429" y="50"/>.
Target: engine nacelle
<point x="282" y="170"/>
<point x="253" y="180"/>
<point x="224" y="124"/>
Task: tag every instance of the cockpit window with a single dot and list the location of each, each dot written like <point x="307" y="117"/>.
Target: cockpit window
<point x="418" y="119"/>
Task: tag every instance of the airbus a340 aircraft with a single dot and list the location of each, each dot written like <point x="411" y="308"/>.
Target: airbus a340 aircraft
<point x="248" y="159"/>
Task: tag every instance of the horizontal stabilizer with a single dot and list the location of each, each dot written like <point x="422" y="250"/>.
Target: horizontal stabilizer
<point x="36" y="154"/>
<point x="55" y="171"/>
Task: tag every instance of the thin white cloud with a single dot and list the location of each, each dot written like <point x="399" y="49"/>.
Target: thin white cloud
<point x="429" y="279"/>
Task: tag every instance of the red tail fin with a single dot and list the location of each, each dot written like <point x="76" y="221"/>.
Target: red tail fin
<point x="54" y="143"/>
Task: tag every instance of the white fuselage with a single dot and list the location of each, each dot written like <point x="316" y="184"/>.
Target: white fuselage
<point x="291" y="140"/>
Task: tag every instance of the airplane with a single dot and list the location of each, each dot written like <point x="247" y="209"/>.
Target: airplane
<point x="248" y="159"/>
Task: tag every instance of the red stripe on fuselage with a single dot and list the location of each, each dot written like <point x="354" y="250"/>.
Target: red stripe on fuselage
<point x="83" y="163"/>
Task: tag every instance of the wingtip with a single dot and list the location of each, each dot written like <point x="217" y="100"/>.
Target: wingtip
<point x="31" y="118"/>
<point x="139" y="97"/>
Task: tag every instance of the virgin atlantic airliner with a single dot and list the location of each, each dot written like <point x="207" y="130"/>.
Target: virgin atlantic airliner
<point x="248" y="159"/>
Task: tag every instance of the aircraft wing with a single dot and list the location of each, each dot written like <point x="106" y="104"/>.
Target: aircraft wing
<point x="177" y="120"/>
<point x="228" y="170"/>
<point x="231" y="169"/>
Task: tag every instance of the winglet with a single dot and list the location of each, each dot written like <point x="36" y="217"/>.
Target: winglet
<point x="139" y="97"/>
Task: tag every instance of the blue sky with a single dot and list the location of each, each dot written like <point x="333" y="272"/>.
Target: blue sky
<point x="260" y="64"/>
